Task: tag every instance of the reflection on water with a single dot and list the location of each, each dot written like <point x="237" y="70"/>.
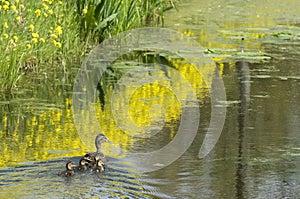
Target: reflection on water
<point x="257" y="155"/>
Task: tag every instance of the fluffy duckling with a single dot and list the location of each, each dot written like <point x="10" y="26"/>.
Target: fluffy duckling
<point x="83" y="165"/>
<point x="100" y="167"/>
<point x="70" y="170"/>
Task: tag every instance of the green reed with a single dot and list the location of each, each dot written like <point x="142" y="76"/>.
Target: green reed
<point x="100" y="19"/>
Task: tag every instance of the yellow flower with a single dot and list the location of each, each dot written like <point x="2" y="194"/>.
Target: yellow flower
<point x="45" y="6"/>
<point x="18" y="18"/>
<point x="28" y="46"/>
<point x="45" y="14"/>
<point x="14" y="8"/>
<point x="22" y="6"/>
<point x="34" y="40"/>
<point x="42" y="40"/>
<point x="35" y="35"/>
<point x="38" y="12"/>
<point x="58" y="30"/>
<point x="5" y="7"/>
<point x="50" y="12"/>
<point x="6" y="3"/>
<point x="84" y="11"/>
<point x="17" y="1"/>
<point x="5" y="25"/>
<point x="31" y="27"/>
<point x="57" y="44"/>
<point x="54" y="36"/>
<point x="15" y="38"/>
<point x="60" y="2"/>
<point x="5" y="35"/>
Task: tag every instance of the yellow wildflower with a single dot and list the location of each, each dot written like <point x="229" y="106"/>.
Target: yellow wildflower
<point x="38" y="12"/>
<point x="17" y="1"/>
<point x="54" y="36"/>
<point x="35" y="35"/>
<point x="28" y="46"/>
<point x="34" y="40"/>
<point x="60" y="2"/>
<point x="31" y="27"/>
<point x="5" y="7"/>
<point x="50" y="12"/>
<point x="5" y="25"/>
<point x="14" y="8"/>
<point x="58" y="30"/>
<point x="18" y="18"/>
<point x="84" y="11"/>
<point x="22" y="6"/>
<point x="45" y="14"/>
<point x="57" y="44"/>
<point x="6" y="3"/>
<point x="15" y="38"/>
<point x="45" y="6"/>
<point x="42" y="40"/>
<point x="5" y="35"/>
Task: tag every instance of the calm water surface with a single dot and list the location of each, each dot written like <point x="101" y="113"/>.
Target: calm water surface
<point x="256" y="156"/>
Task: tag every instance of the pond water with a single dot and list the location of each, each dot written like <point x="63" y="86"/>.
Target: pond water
<point x="256" y="48"/>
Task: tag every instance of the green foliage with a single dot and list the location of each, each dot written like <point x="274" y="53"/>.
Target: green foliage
<point x="100" y="19"/>
<point x="36" y="36"/>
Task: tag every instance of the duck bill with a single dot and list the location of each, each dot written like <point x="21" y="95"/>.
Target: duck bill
<point x="108" y="141"/>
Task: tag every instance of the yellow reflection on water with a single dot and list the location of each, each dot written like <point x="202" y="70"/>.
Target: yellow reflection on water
<point x="39" y="134"/>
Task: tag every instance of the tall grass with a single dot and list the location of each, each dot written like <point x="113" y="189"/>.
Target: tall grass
<point x="100" y="19"/>
<point x="36" y="35"/>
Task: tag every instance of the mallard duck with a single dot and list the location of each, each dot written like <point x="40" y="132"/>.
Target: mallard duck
<point x="70" y="170"/>
<point x="93" y="157"/>
<point x="83" y="165"/>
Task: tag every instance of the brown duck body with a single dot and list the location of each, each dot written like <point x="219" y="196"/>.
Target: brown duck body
<point x="94" y="157"/>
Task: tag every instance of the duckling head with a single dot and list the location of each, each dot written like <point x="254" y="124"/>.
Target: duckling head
<point x="83" y="162"/>
<point x="100" y="163"/>
<point x="70" y="166"/>
<point x="89" y="158"/>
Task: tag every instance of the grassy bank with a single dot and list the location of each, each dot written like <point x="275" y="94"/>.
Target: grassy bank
<point x="36" y="36"/>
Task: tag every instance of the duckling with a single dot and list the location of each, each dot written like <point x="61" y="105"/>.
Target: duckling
<point x="83" y="165"/>
<point x="100" y="167"/>
<point x="70" y="170"/>
<point x="93" y="157"/>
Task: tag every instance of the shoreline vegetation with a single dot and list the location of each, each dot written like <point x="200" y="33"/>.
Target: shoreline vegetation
<point x="41" y="36"/>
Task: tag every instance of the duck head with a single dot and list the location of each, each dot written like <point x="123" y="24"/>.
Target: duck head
<point x="101" y="138"/>
<point x="83" y="162"/>
<point x="89" y="158"/>
<point x="70" y="166"/>
<point x="100" y="163"/>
